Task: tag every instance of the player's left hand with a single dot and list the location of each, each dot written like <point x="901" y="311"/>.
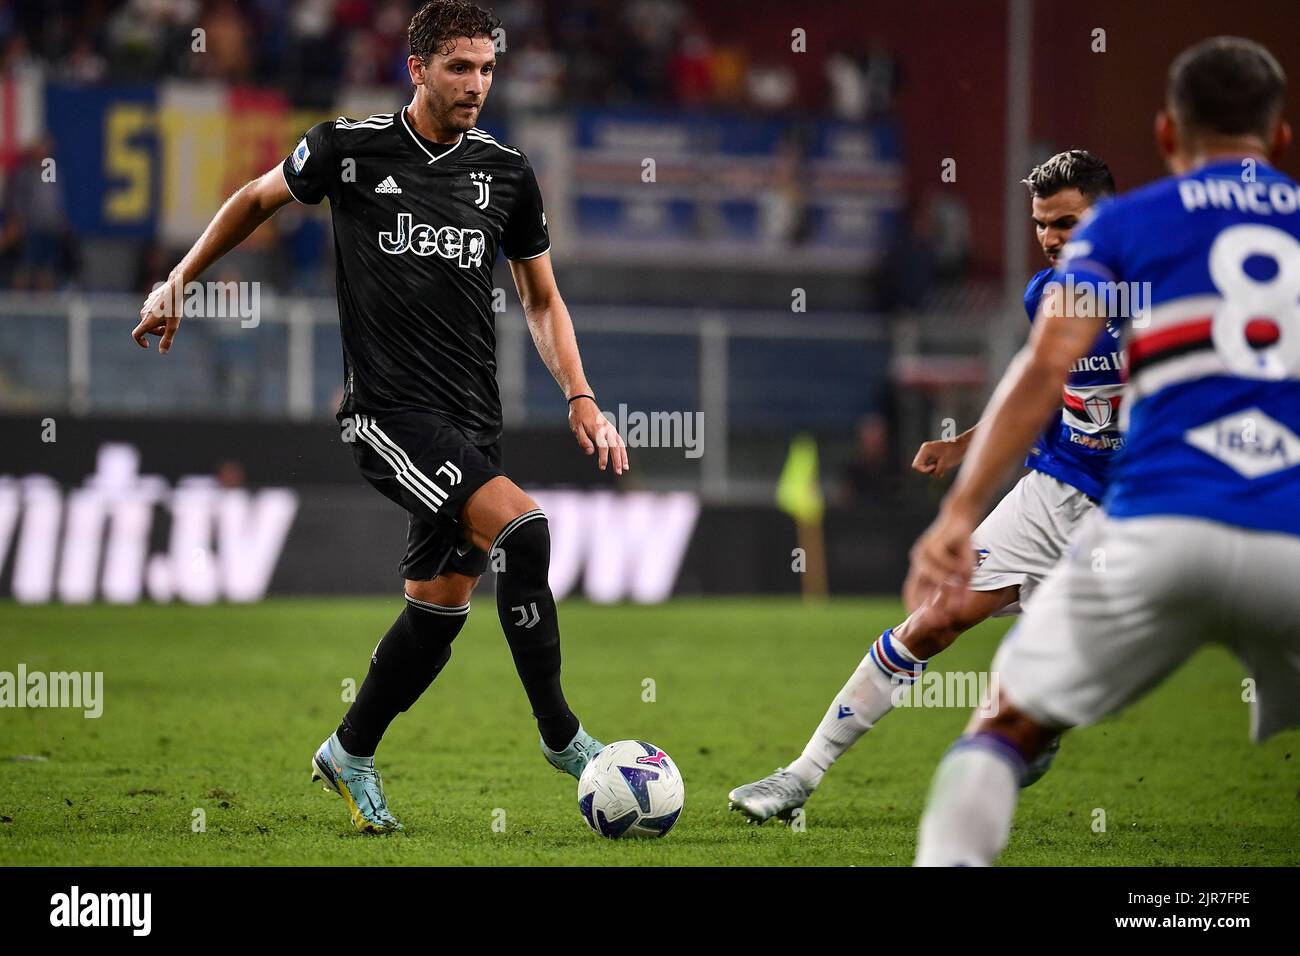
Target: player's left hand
<point x="942" y="560"/>
<point x="595" y="433"/>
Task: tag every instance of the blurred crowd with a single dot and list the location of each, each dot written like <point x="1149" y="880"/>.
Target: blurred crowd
<point x="673" y="54"/>
<point x="578" y="52"/>
<point x="560" y="55"/>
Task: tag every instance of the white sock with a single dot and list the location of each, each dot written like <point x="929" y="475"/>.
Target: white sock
<point x="887" y="670"/>
<point x="347" y="759"/>
<point x="973" y="798"/>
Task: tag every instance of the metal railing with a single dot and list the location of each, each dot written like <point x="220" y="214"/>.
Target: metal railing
<point x="743" y="370"/>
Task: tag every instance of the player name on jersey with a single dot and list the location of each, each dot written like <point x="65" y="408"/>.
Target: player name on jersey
<point x="1262" y="199"/>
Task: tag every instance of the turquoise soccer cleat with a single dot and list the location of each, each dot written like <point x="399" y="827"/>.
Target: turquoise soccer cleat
<point x="359" y="786"/>
<point x="574" y="758"/>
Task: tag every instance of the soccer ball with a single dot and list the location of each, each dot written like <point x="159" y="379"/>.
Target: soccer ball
<point x="631" y="789"/>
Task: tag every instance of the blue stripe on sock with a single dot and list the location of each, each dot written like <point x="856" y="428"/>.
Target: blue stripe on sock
<point x="887" y="642"/>
<point x="875" y="659"/>
<point x="996" y="744"/>
<point x="887" y="645"/>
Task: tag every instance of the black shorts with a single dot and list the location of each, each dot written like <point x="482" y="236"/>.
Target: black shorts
<point x="419" y="461"/>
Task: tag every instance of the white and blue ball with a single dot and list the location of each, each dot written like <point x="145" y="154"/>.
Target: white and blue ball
<point x="631" y="789"/>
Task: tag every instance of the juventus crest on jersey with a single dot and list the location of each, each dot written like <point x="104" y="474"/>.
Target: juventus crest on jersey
<point x="417" y="228"/>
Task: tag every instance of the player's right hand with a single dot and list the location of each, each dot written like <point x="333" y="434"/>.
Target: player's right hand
<point x="937" y="458"/>
<point x="942" y="560"/>
<point x="597" y="434"/>
<point x="156" y="315"/>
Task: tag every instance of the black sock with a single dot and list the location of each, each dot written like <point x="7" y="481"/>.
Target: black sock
<point x="412" y="653"/>
<point x="522" y="555"/>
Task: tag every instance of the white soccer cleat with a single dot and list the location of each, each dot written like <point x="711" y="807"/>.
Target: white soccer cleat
<point x="778" y="795"/>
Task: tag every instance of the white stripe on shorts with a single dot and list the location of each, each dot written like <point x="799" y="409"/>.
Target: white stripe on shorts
<point x="410" y="477"/>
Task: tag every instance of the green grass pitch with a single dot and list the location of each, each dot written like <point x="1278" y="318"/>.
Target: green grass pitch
<point x="220" y="709"/>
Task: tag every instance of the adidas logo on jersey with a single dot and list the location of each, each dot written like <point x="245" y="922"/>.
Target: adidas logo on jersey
<point x="388" y="186"/>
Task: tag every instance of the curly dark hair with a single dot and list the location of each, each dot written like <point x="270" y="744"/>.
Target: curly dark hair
<point x="1072" y="169"/>
<point x="438" y="24"/>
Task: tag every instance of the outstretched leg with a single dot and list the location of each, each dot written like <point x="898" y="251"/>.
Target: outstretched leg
<point x="894" y="662"/>
<point x="507" y="524"/>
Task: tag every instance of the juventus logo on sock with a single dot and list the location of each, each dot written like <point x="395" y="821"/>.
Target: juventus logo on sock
<point x="524" y="616"/>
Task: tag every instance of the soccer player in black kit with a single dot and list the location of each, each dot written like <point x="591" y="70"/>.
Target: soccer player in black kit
<point x="421" y="201"/>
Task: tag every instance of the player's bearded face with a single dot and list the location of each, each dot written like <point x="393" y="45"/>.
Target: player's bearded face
<point x="457" y="83"/>
<point x="1055" y="217"/>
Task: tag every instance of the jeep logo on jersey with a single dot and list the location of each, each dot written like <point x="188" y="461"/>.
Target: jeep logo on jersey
<point x="450" y="242"/>
<point x="483" y="185"/>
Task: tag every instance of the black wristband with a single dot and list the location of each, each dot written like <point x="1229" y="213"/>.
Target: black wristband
<point x="584" y="395"/>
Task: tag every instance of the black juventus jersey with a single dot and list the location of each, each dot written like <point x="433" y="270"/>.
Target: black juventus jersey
<point x="417" y="227"/>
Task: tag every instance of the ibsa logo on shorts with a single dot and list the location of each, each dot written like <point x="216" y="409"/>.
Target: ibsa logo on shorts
<point x="451" y="242"/>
